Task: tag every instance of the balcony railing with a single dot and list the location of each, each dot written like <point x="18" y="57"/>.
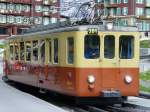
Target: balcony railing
<point x="17" y="1"/>
<point x="111" y="5"/>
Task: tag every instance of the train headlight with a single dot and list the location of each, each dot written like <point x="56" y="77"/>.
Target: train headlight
<point x="128" y="79"/>
<point x="91" y="79"/>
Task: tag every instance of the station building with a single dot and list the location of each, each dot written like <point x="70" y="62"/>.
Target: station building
<point x="16" y="15"/>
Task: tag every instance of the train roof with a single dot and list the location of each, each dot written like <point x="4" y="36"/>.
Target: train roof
<point x="65" y="27"/>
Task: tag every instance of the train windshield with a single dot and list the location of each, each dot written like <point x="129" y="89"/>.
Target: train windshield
<point x="126" y="47"/>
<point x="91" y="46"/>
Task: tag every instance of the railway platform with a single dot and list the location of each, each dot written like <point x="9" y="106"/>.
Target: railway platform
<point x="13" y="100"/>
<point x="139" y="101"/>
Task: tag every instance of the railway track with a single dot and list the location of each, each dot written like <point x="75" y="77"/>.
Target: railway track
<point x="76" y="108"/>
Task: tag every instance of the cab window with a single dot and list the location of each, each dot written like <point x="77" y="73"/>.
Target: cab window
<point x="11" y="52"/>
<point x="21" y="50"/>
<point x="70" y="52"/>
<point x="35" y="50"/>
<point x="55" y="50"/>
<point x="42" y="50"/>
<point x="91" y="46"/>
<point x="126" y="47"/>
<point x="109" y="47"/>
<point x="28" y="51"/>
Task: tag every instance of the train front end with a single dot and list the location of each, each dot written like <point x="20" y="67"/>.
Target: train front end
<point x="107" y="64"/>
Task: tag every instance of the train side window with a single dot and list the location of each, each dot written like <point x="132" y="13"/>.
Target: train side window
<point x="126" y="47"/>
<point x="11" y="52"/>
<point x="42" y="50"/>
<point x="35" y="50"/>
<point x="109" y="47"/>
<point x="16" y="51"/>
<point x="21" y="50"/>
<point x="55" y="50"/>
<point x="70" y="51"/>
<point x="50" y="51"/>
<point x="91" y="46"/>
<point x="28" y="51"/>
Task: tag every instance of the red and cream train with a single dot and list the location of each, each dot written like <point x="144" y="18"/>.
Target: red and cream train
<point x="86" y="61"/>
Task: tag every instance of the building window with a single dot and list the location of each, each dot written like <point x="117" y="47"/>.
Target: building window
<point x="125" y="1"/>
<point x="55" y="50"/>
<point x="148" y="12"/>
<point x="26" y="8"/>
<point x="139" y="11"/>
<point x="38" y="20"/>
<point x="126" y="47"/>
<point x="139" y="1"/>
<point x="10" y="7"/>
<point x="46" y="20"/>
<point x="19" y="19"/>
<point x="3" y="7"/>
<point x="10" y="19"/>
<point x="147" y="1"/>
<point x="125" y="10"/>
<point x="99" y="1"/>
<point x="18" y="8"/>
<point x="35" y="50"/>
<point x="3" y="30"/>
<point x="70" y="47"/>
<point x="53" y="10"/>
<point x="38" y="8"/>
<point x="3" y="19"/>
<point x="118" y="11"/>
<point x="91" y="46"/>
<point x="53" y="20"/>
<point x="109" y="47"/>
<point x="118" y="1"/>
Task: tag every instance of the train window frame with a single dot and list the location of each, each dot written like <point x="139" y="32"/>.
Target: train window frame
<point x="11" y="58"/>
<point x="98" y="47"/>
<point x="114" y="50"/>
<point x="33" y="58"/>
<point x="54" y="62"/>
<point x="42" y="58"/>
<point x="133" y="55"/>
<point x="16" y="51"/>
<point x="21" y="50"/>
<point x="26" y="51"/>
<point x="50" y="54"/>
<point x="67" y="50"/>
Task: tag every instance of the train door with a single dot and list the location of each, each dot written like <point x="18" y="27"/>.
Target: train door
<point x="128" y="63"/>
<point x="109" y="62"/>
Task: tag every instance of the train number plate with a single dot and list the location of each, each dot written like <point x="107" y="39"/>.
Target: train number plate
<point x="111" y="93"/>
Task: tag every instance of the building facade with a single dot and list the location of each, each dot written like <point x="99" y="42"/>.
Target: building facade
<point x="128" y="12"/>
<point x="16" y="15"/>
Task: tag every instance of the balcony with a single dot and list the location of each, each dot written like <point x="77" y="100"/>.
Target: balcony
<point x="145" y="17"/>
<point x="46" y="14"/>
<point x="111" y="5"/>
<point x="17" y="1"/>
